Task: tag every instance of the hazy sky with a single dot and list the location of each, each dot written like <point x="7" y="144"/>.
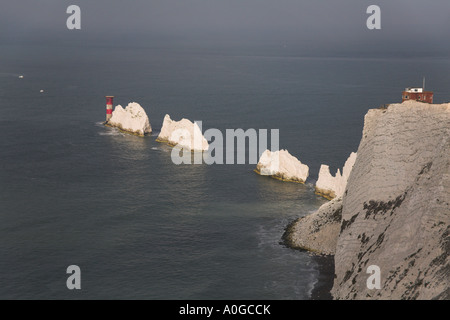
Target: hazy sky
<point x="315" y="25"/>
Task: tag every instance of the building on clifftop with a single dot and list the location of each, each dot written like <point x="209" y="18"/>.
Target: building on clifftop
<point x="418" y="94"/>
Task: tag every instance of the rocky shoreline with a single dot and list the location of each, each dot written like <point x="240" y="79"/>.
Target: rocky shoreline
<point x="325" y="262"/>
<point x="395" y="211"/>
<point x="317" y="232"/>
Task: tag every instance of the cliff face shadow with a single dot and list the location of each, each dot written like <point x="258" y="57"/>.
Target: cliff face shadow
<point x="322" y="290"/>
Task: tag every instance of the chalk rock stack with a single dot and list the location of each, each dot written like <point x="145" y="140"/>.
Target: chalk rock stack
<point x="334" y="187"/>
<point x="282" y="165"/>
<point x="183" y="133"/>
<point x="132" y="119"/>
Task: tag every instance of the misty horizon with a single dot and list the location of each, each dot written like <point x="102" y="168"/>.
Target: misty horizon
<point x="300" y="28"/>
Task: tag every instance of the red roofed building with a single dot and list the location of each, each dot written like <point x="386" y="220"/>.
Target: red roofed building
<point x="418" y="94"/>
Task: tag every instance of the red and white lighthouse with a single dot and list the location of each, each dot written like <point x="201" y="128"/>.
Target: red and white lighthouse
<point x="109" y="107"/>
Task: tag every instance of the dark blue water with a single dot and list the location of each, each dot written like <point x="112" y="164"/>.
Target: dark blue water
<point x="75" y="192"/>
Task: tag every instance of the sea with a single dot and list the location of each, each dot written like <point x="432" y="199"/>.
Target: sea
<point x="74" y="192"/>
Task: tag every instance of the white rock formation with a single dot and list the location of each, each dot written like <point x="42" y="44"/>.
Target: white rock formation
<point x="396" y="213"/>
<point x="333" y="187"/>
<point x="317" y="232"/>
<point x="132" y="119"/>
<point x="282" y="165"/>
<point x="182" y="133"/>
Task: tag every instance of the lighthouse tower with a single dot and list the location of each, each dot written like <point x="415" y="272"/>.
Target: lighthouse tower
<point x="109" y="107"/>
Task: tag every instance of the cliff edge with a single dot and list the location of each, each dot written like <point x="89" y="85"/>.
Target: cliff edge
<point x="396" y="210"/>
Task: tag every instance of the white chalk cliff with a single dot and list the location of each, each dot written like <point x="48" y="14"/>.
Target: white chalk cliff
<point x="132" y="119"/>
<point x="182" y="133"/>
<point x="334" y="187"/>
<point x="282" y="165"/>
<point x="316" y="232"/>
<point x="396" y="214"/>
<point x="396" y="211"/>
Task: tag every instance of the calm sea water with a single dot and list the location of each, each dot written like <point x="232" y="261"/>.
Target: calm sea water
<point x="75" y="192"/>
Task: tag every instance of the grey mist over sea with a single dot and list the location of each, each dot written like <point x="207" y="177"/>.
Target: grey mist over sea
<point x="74" y="192"/>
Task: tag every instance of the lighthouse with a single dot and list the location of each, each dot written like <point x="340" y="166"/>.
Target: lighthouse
<point x="109" y="107"/>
